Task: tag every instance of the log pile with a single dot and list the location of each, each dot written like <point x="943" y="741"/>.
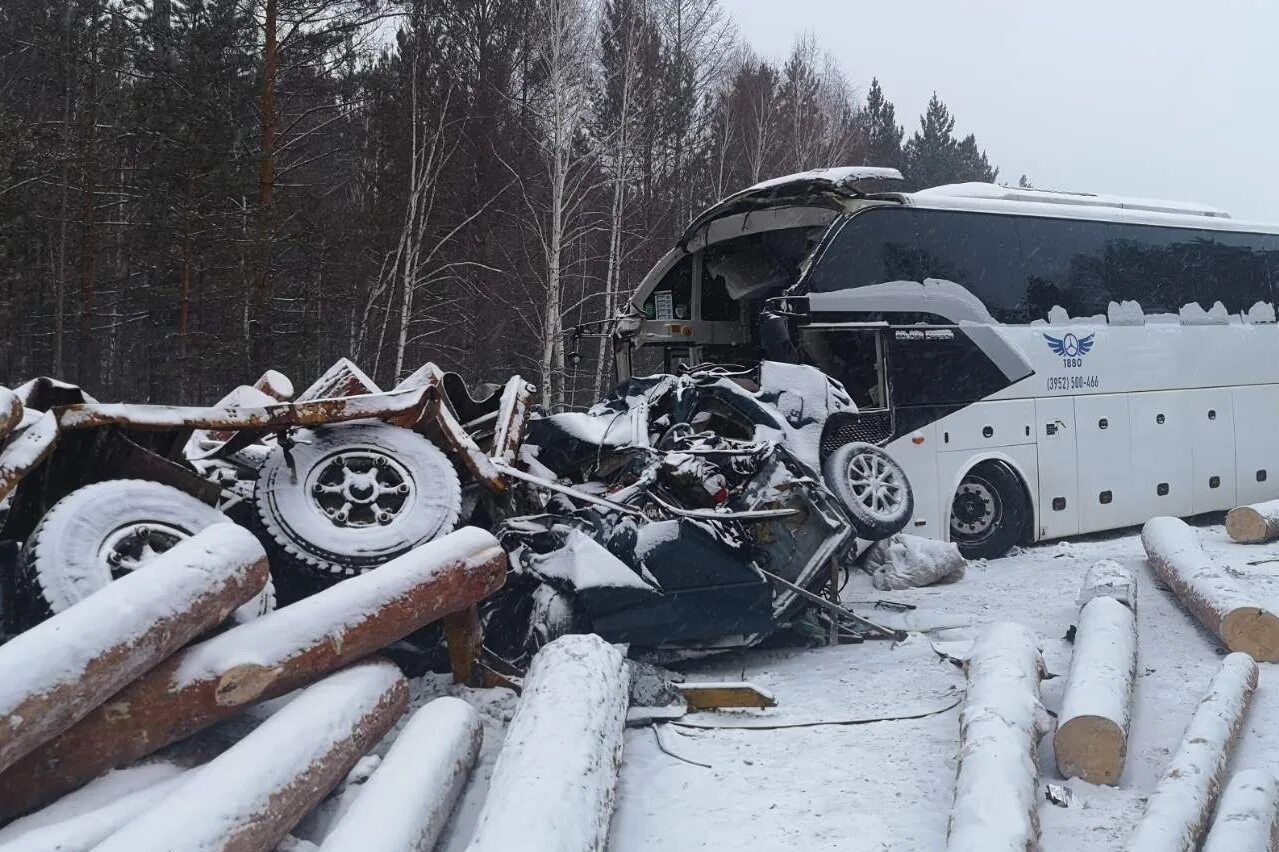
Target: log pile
<point x="121" y="687"/>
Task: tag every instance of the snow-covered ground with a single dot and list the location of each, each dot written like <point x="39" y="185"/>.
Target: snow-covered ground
<point x="885" y="785"/>
<point x="860" y="753"/>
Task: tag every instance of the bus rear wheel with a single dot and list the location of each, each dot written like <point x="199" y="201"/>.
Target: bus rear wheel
<point x="989" y="513"/>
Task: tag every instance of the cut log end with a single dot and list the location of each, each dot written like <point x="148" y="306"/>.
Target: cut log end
<point x="1252" y="631"/>
<point x="1091" y="748"/>
<point x="1245" y="525"/>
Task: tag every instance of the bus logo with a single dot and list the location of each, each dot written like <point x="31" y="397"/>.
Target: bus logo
<point x="1072" y="349"/>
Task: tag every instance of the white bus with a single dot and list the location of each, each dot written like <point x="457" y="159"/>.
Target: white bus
<point x="1041" y="364"/>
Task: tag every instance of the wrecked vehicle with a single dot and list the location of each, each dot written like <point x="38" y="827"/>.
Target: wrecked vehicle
<point x="335" y="481"/>
<point x="702" y="515"/>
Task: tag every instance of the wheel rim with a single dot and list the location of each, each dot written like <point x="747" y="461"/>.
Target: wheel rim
<point x="876" y="485"/>
<point x="356" y="489"/>
<point x="976" y="510"/>
<point x="131" y="546"/>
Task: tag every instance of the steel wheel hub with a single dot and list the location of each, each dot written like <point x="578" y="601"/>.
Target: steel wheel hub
<point x="875" y="484"/>
<point x="975" y="509"/>
<point x="360" y="488"/>
<point x="133" y="545"/>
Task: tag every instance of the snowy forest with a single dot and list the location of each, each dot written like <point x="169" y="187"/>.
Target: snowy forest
<point x="192" y="191"/>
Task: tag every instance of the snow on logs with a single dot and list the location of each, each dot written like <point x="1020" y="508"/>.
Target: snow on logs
<point x="405" y="804"/>
<point x="1173" y="550"/>
<point x="1248" y="817"/>
<point x="555" y="779"/>
<point x="1092" y="727"/>
<point x="10" y="412"/>
<point x="1254" y="524"/>
<point x="1177" y="812"/>
<point x="995" y="807"/>
<point x="249" y="797"/>
<point x="261" y="659"/>
<point x="54" y="674"/>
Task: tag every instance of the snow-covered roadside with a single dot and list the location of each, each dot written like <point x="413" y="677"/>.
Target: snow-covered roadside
<point x="888" y="785"/>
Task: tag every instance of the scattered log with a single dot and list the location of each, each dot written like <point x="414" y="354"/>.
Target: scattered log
<point x="1107" y="578"/>
<point x="249" y="797"/>
<point x="261" y="659"/>
<point x="1254" y="524"/>
<point x="1248" y="817"/>
<point x="55" y="673"/>
<point x="1177" y="813"/>
<point x="83" y="831"/>
<point x="996" y="806"/>
<point x="405" y="804"/>
<point x="1173" y="550"/>
<point x="1092" y="727"/>
<point x="555" y="780"/>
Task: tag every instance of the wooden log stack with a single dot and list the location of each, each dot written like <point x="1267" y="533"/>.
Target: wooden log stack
<point x="56" y="673"/>
<point x="261" y="659"/>
<point x="248" y="798"/>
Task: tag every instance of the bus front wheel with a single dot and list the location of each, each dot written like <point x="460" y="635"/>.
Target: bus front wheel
<point x="990" y="511"/>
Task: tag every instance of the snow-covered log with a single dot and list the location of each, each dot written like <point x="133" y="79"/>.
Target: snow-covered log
<point x="55" y="673"/>
<point x="25" y="450"/>
<point x="10" y="412"/>
<point x="406" y="803"/>
<point x="995" y="808"/>
<point x="1107" y="578"/>
<point x="1177" y="813"/>
<point x="81" y="832"/>
<point x="908" y="561"/>
<point x="1092" y="726"/>
<point x="555" y="780"/>
<point x="261" y="659"/>
<point x="247" y="798"/>
<point x="1254" y="524"/>
<point x="1247" y="819"/>
<point x="1173" y="550"/>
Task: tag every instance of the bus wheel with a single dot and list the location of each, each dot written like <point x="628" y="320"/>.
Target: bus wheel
<point x="990" y="511"/>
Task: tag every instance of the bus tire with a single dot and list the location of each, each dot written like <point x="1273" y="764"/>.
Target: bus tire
<point x="872" y="487"/>
<point x="990" y="511"/>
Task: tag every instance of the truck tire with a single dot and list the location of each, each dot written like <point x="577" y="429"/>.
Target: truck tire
<point x="102" y="531"/>
<point x="363" y="493"/>
<point x="872" y="488"/>
<point x="990" y="511"/>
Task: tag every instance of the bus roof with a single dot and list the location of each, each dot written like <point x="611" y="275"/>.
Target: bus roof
<point x="974" y="189"/>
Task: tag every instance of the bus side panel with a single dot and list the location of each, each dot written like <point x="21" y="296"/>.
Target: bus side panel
<point x="1058" y="457"/>
<point x="1212" y="447"/>
<point x="1257" y="443"/>
<point x="1107" y="496"/>
<point x="919" y="460"/>
<point x="1161" y="455"/>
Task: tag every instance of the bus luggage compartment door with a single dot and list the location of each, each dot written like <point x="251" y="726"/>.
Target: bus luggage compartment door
<point x="1058" y="467"/>
<point x="1161" y="454"/>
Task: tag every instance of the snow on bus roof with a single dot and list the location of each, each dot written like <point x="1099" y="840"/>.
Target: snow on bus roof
<point x="990" y="198"/>
<point x="840" y="176"/>
<point x="975" y="189"/>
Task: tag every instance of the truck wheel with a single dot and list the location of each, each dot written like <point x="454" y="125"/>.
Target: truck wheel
<point x="362" y="494"/>
<point x="990" y="511"/>
<point x="103" y="531"/>
<point x="872" y="488"/>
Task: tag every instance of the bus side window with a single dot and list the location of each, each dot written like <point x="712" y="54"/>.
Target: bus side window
<point x="979" y="251"/>
<point x="876" y="245"/>
<point x="717" y="305"/>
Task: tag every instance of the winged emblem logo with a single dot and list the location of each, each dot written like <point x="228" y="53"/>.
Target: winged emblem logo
<point x="1070" y="346"/>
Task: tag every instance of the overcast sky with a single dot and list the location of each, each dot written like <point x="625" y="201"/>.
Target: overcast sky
<point x="1176" y="99"/>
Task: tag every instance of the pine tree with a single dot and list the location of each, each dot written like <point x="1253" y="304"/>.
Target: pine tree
<point x="935" y="157"/>
<point x="883" y="133"/>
